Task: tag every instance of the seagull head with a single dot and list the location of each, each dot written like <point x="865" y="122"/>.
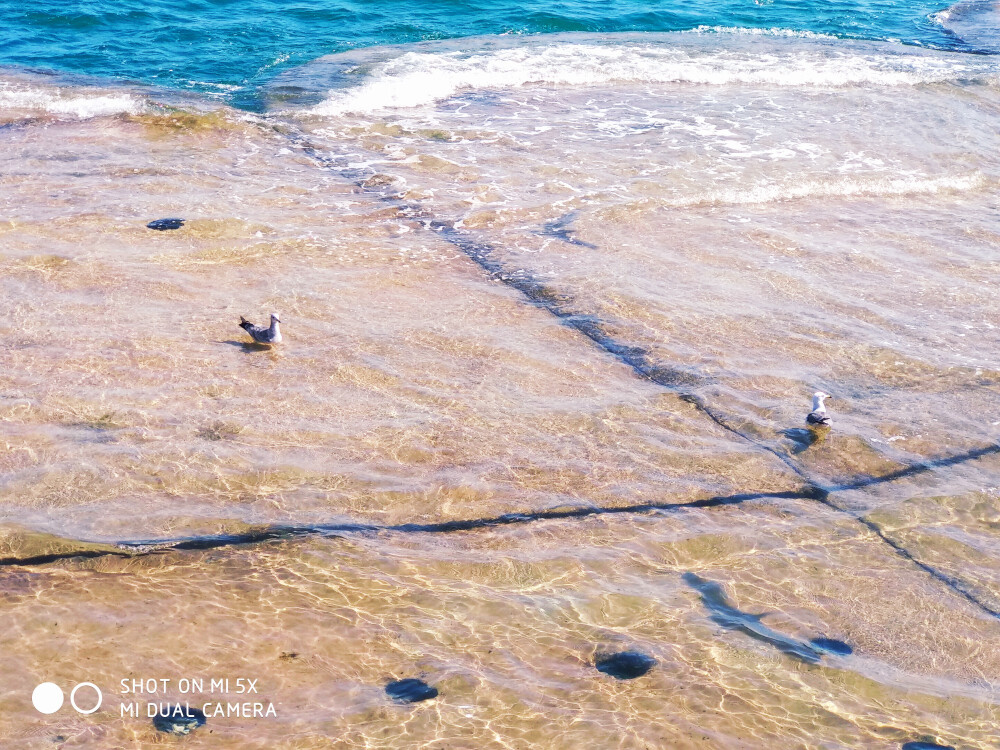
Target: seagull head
<point x="275" y="318"/>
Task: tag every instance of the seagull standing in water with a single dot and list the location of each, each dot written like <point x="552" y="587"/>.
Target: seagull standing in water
<point x="260" y="334"/>
<point x="818" y="415"/>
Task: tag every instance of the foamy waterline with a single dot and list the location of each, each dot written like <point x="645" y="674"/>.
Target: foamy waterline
<point x="80" y="104"/>
<point x="841" y="188"/>
<point x="751" y="31"/>
<point x="419" y="78"/>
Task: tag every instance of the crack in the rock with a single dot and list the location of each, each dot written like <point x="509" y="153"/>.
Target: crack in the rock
<point x="129" y="549"/>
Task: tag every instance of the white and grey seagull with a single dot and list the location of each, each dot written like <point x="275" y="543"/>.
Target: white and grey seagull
<point x="818" y="415"/>
<point x="260" y="334"/>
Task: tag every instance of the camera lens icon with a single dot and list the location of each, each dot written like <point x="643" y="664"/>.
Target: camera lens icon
<point x="47" y="698"/>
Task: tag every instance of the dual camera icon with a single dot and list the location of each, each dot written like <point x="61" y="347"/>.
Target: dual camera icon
<point x="48" y="698"/>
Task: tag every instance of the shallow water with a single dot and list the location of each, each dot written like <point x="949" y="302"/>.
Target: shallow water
<point x="551" y="330"/>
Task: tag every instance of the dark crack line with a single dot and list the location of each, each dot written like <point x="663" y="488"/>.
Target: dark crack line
<point x="132" y="549"/>
<point x="955" y="584"/>
<point x="52" y="557"/>
<point x="920" y="468"/>
<point x="135" y="549"/>
<point x="272" y="533"/>
<point x="141" y="548"/>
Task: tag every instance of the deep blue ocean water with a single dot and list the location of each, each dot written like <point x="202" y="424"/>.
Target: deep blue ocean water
<point x="228" y="48"/>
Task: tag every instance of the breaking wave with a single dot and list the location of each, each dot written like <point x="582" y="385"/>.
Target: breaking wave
<point x="976" y="23"/>
<point x="860" y="187"/>
<point x="80" y="104"/>
<point x="413" y="77"/>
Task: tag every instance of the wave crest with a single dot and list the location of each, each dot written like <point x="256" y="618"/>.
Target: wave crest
<point x="31" y="100"/>
<point x="974" y="22"/>
<point x="857" y="187"/>
<point x="416" y="78"/>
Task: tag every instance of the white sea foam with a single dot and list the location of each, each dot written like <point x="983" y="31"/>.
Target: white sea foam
<point x="741" y="31"/>
<point x="417" y="78"/>
<point x="838" y="188"/>
<point x="79" y="103"/>
<point x="975" y="22"/>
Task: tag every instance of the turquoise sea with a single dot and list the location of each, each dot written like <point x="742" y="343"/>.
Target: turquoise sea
<point x="229" y="48"/>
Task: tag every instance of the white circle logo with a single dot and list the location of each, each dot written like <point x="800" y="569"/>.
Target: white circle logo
<point x="48" y="698"/>
<point x="72" y="698"/>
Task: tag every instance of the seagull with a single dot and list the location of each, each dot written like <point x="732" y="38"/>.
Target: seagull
<point x="260" y="334"/>
<point x="818" y="415"/>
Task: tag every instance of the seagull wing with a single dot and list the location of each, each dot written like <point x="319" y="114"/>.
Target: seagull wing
<point x="262" y="334"/>
<point x="818" y="417"/>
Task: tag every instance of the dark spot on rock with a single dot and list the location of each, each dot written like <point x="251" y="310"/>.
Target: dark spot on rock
<point x="162" y="224"/>
<point x="832" y="646"/>
<point x="815" y="492"/>
<point x="589" y="326"/>
<point x="721" y="612"/>
<point x="377" y="181"/>
<point x="634" y="355"/>
<point x="178" y="719"/>
<point x="670" y="377"/>
<point x="626" y="665"/>
<point x="547" y="296"/>
<point x="925" y="746"/>
<point x="410" y="690"/>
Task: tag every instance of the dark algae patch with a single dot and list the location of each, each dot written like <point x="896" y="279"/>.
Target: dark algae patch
<point x="178" y="719"/>
<point x="721" y="612"/>
<point x="832" y="646"/>
<point x="164" y="224"/>
<point x="410" y="690"/>
<point x="625" y="665"/>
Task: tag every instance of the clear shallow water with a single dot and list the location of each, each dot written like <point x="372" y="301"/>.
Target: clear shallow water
<point x="554" y="306"/>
